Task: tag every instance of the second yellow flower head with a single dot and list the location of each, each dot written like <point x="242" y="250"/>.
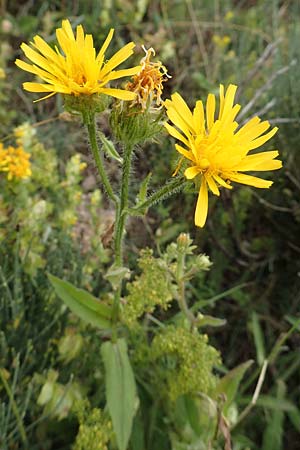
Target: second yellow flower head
<point x="216" y="148"/>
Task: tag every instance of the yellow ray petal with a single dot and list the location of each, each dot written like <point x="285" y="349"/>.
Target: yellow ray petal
<point x="251" y="162"/>
<point x="222" y="98"/>
<point x="212" y="185"/>
<point x="36" y="58"/>
<point x="251" y="181"/>
<point x="261" y="140"/>
<point x="221" y="181"/>
<point x="105" y="44"/>
<point x="199" y="119"/>
<point x="38" y="87"/>
<point x="121" y="73"/>
<point x="275" y="164"/>
<point x="175" y="133"/>
<point x="44" y="98"/>
<point x="202" y="205"/>
<point x="210" y="111"/>
<point x="182" y="109"/>
<point x="228" y="100"/>
<point x="178" y="167"/>
<point x="177" y="120"/>
<point x="191" y="172"/>
<point x="189" y="155"/>
<point x="45" y="49"/>
<point x="67" y="28"/>
<point x="119" y="93"/>
<point x="118" y="58"/>
<point x="80" y="40"/>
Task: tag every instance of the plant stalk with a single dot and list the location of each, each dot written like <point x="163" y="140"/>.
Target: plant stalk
<point x="122" y="211"/>
<point x="165" y="191"/>
<point x="121" y="216"/>
<point x="89" y="120"/>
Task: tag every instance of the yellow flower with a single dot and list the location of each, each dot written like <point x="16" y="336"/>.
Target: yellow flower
<point x="15" y="162"/>
<point x="217" y="150"/>
<point x="76" y="69"/>
<point x="148" y="83"/>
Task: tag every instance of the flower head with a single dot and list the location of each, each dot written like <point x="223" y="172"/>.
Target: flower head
<point x="75" y="68"/>
<point x="15" y="162"/>
<point x="217" y="151"/>
<point x="148" y="82"/>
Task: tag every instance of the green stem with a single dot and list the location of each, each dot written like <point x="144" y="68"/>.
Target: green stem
<point x="121" y="216"/>
<point x="181" y="290"/>
<point x="89" y="120"/>
<point x="168" y="189"/>
<point x="123" y="207"/>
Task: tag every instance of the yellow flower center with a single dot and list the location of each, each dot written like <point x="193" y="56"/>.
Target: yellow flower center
<point x="204" y="163"/>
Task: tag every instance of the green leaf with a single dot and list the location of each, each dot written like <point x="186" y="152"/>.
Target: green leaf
<point x="273" y="435"/>
<point x="142" y="195"/>
<point x="120" y="386"/>
<point x="272" y="403"/>
<point x="229" y="384"/>
<point x="294" y="417"/>
<point x="109" y="148"/>
<point x="258" y="339"/>
<point x="192" y="414"/>
<point x="203" y="321"/>
<point x="82" y="303"/>
<point x="116" y="274"/>
<point x="137" y="440"/>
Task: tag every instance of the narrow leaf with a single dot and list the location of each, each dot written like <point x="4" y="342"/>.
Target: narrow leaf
<point x="294" y="417"/>
<point x="271" y="403"/>
<point x="120" y="386"/>
<point x="203" y="321"/>
<point x="273" y="435"/>
<point x="258" y="339"/>
<point x="229" y="384"/>
<point x="82" y="303"/>
<point x="110" y="149"/>
<point x="142" y="195"/>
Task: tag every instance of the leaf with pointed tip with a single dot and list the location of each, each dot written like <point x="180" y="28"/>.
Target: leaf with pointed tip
<point x="229" y="384"/>
<point x="142" y="195"/>
<point x="110" y="149"/>
<point x="82" y="303"/>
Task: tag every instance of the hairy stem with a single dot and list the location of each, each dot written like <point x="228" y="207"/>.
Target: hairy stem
<point x="121" y="216"/>
<point x="89" y="120"/>
<point x="181" y="290"/>
<point x="168" y="189"/>
<point x="122" y="210"/>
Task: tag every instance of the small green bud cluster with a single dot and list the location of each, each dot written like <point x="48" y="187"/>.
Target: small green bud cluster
<point x="181" y="267"/>
<point x="186" y="361"/>
<point x="95" y="429"/>
<point x="132" y="125"/>
<point x="150" y="289"/>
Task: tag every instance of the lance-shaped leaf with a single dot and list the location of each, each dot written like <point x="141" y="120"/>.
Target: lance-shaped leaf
<point x="82" y="303"/>
<point x="121" y="394"/>
<point x="142" y="195"/>
<point x="229" y="384"/>
<point x="110" y="149"/>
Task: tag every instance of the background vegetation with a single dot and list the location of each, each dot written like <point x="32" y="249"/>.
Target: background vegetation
<point x="48" y="358"/>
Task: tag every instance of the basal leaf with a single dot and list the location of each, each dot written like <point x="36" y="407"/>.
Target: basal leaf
<point x="120" y="386"/>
